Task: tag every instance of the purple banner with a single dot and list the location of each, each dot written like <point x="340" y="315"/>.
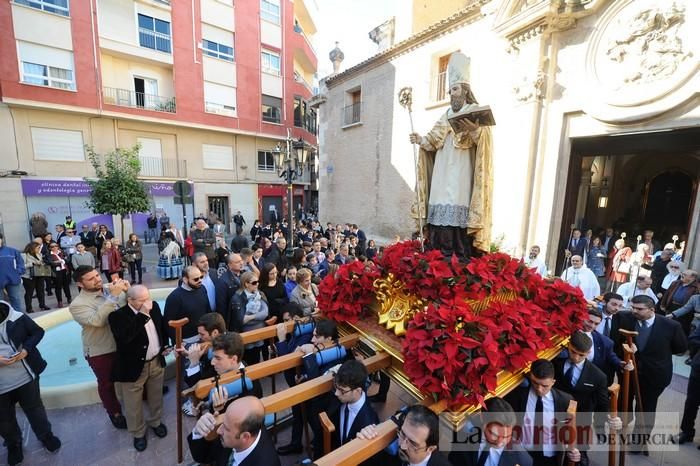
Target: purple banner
<point x="39" y="187"/>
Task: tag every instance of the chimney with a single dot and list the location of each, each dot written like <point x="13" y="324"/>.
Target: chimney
<point x="383" y="35"/>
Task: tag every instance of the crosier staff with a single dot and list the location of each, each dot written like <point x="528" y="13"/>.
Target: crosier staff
<point x="406" y="100"/>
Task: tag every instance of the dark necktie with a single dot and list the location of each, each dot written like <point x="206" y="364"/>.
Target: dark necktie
<point x="537" y="428"/>
<point x="346" y="425"/>
<point x="643" y="337"/>
<point x="606" y="328"/>
<point x="483" y="456"/>
<point x="575" y="243"/>
<point x="569" y="375"/>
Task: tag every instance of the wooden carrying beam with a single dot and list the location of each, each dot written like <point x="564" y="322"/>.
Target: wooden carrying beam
<point x="262" y="369"/>
<point x="357" y="450"/>
<point x="315" y="387"/>
<point x="265" y="333"/>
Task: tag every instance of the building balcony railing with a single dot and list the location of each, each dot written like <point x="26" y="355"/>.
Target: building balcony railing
<point x="353" y="113"/>
<point x="154" y="40"/>
<point x="221" y="109"/>
<point x="128" y="98"/>
<point x="300" y="79"/>
<point x="167" y="168"/>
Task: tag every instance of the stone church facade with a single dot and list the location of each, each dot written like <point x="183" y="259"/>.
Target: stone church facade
<point x="596" y="107"/>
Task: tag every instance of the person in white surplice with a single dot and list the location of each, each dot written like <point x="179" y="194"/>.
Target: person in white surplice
<point x="582" y="277"/>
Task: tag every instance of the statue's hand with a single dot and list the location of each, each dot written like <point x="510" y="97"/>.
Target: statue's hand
<point x="414" y="138"/>
<point x="466" y="125"/>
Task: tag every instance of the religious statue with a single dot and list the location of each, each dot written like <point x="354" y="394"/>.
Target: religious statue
<point x="455" y="173"/>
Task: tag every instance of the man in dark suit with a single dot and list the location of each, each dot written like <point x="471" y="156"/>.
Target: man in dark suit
<point x="418" y="436"/>
<point x="350" y="411"/>
<point x="244" y="441"/>
<point x="577" y="245"/>
<point x="209" y="277"/>
<point x="227" y="286"/>
<point x="139" y="332"/>
<point x="692" y="399"/>
<point x="610" y="322"/>
<point x="659" y="338"/>
<point x="602" y="354"/>
<point x="580" y="378"/>
<point x="538" y="405"/>
<point x="495" y="446"/>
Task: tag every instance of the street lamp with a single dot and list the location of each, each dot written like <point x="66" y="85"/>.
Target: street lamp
<point x="291" y="160"/>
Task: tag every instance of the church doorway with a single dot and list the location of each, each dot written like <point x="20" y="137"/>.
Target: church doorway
<point x="633" y="183"/>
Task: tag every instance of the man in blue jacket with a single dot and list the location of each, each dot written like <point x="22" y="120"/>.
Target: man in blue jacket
<point x="20" y="366"/>
<point x="11" y="270"/>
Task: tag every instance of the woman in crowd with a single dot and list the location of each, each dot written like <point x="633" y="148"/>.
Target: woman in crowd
<point x="291" y="280"/>
<point x="299" y="258"/>
<point x="47" y="239"/>
<point x="103" y="234"/>
<point x="595" y="258"/>
<point x="111" y="262"/>
<point x="60" y="272"/>
<point x="134" y="257"/>
<point x="371" y="251"/>
<point x="272" y="287"/>
<point x="250" y="310"/>
<point x="258" y="260"/>
<point x="116" y="244"/>
<point x="222" y="251"/>
<point x="305" y="292"/>
<point x="32" y="257"/>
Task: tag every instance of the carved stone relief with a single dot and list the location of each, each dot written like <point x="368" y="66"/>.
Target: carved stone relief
<point x="530" y="88"/>
<point x="642" y="59"/>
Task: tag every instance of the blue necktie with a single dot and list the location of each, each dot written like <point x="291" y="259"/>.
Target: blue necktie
<point x="643" y="337"/>
<point x="569" y="375"/>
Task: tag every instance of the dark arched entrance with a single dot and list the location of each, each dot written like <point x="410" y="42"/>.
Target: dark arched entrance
<point x="668" y="197"/>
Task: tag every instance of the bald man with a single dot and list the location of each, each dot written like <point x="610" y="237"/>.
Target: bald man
<point x="243" y="439"/>
<point x="139" y="331"/>
<point x="580" y="276"/>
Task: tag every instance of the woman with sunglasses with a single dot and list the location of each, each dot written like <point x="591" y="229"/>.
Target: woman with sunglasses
<point x="250" y="310"/>
<point x="60" y="272"/>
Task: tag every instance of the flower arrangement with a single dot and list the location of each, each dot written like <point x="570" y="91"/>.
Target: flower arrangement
<point x="490" y="315"/>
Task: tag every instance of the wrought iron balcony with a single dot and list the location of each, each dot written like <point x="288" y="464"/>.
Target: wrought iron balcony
<point x="353" y="113"/>
<point x="128" y="98"/>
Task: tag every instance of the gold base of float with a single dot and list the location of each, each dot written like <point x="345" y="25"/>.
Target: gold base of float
<point x="394" y="308"/>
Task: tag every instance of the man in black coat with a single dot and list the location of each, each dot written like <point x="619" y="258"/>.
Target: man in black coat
<point x="577" y="245"/>
<point x="277" y="254"/>
<point x="542" y="405"/>
<point x="239" y="241"/>
<point x="417" y="439"/>
<point x="139" y="331"/>
<point x="580" y="378"/>
<point x="494" y="434"/>
<point x="658" y="340"/>
<point x="349" y="410"/>
<point x="227" y="286"/>
<point x="187" y="300"/>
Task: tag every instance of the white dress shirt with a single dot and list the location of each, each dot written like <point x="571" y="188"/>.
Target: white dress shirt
<point x="422" y="463"/>
<point x="494" y="453"/>
<point x="153" y="340"/>
<point x="577" y="371"/>
<point x="239" y="457"/>
<point x="591" y="353"/>
<point x="548" y="442"/>
<point x="353" y="408"/>
<point x="601" y="326"/>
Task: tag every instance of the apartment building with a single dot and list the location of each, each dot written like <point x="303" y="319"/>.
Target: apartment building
<point x="207" y="87"/>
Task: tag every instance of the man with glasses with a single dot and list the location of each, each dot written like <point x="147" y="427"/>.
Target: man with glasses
<point x="187" y="300"/>
<point x="350" y="411"/>
<point x="657" y="341"/>
<point x="678" y="294"/>
<point x="417" y="438"/>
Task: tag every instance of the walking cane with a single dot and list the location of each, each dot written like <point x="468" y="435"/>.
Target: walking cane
<point x="629" y="355"/>
<point x="565" y="269"/>
<point x="570" y="428"/>
<point x="625" y="394"/>
<point x="613" y="390"/>
<point x="406" y="100"/>
<point x="177" y="325"/>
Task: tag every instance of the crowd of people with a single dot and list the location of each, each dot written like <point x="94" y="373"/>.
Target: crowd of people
<point x="263" y="283"/>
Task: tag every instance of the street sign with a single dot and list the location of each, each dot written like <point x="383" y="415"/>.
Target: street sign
<point x="182" y="188"/>
<point x="183" y="200"/>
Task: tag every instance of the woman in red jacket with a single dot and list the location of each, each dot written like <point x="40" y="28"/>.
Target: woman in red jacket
<point x="111" y="262"/>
